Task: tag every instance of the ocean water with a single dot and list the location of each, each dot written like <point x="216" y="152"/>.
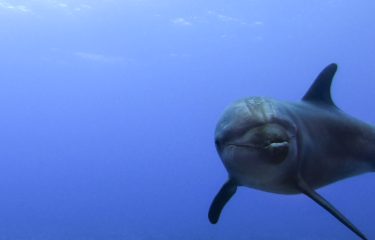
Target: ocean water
<point x="108" y="110"/>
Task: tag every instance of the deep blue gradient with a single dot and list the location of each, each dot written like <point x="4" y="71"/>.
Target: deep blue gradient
<point x="108" y="110"/>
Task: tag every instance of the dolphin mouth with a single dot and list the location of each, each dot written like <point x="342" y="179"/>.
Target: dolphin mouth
<point x="255" y="146"/>
<point x="273" y="152"/>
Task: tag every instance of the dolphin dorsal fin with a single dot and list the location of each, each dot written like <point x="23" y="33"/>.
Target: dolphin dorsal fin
<point x="320" y="90"/>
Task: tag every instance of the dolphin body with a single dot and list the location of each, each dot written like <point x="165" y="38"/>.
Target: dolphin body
<point x="292" y="147"/>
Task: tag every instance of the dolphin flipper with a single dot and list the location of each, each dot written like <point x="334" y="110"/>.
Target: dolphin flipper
<point x="222" y="197"/>
<point x="304" y="188"/>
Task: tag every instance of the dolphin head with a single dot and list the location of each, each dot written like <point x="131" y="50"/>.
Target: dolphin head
<point x="255" y="143"/>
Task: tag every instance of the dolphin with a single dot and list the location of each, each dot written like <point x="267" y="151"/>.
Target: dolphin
<point x="292" y="147"/>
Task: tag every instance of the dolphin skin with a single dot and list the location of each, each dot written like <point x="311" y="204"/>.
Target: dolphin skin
<point x="292" y="147"/>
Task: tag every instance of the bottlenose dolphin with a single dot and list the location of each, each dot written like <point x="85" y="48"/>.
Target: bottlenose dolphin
<point x="292" y="147"/>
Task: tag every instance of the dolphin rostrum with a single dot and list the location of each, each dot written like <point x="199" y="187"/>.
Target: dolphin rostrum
<point x="292" y="147"/>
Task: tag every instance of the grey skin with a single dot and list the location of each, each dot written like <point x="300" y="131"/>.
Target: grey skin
<point x="292" y="147"/>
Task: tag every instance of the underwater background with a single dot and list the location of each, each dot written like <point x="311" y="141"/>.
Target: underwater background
<point x="108" y="110"/>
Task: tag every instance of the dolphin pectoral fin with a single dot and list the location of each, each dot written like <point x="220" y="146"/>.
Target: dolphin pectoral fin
<point x="304" y="188"/>
<point x="222" y="197"/>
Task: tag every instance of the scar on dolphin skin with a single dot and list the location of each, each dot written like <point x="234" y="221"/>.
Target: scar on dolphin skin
<point x="292" y="147"/>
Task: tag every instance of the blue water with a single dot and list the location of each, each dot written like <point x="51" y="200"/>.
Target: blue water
<point x="108" y="110"/>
